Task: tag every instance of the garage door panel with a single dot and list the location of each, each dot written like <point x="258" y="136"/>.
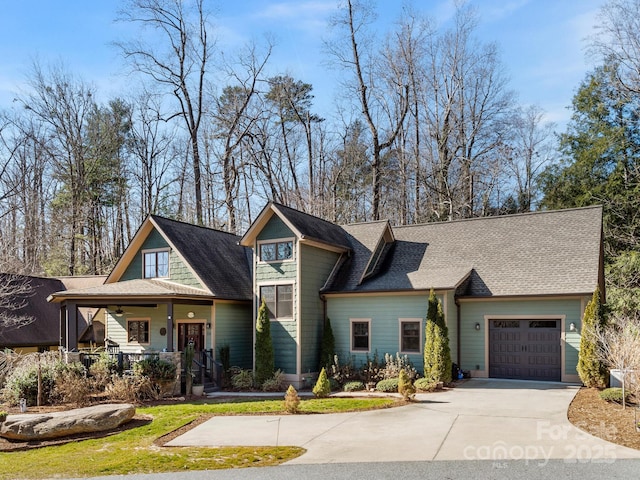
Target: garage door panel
<point x="525" y="349"/>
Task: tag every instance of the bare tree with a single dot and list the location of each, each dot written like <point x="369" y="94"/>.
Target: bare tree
<point x="14" y="293"/>
<point x="178" y="62"/>
<point x="353" y="21"/>
<point x="530" y="150"/>
<point x="619" y="348"/>
<point x="234" y="121"/>
<point x="617" y="41"/>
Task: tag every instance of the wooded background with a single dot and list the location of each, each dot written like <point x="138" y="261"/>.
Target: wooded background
<point x="426" y="129"/>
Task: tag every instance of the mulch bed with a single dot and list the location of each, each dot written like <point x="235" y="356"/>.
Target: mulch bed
<point x="605" y="420"/>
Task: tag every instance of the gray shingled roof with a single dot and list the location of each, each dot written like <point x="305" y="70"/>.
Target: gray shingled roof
<point x="314" y="228"/>
<point x="542" y="253"/>
<point x="45" y="329"/>
<point x="215" y="256"/>
<point x="363" y="239"/>
<point x="134" y="288"/>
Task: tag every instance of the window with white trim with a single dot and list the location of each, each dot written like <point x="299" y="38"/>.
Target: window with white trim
<point x="360" y="335"/>
<point x="276" y="251"/>
<point x="410" y="335"/>
<point x="155" y="263"/>
<point x="138" y="331"/>
<point x="279" y="300"/>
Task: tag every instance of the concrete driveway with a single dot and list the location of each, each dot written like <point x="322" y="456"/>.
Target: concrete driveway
<point x="479" y="420"/>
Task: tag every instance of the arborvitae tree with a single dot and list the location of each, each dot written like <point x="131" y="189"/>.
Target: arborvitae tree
<point x="264" y="347"/>
<point x="291" y="400"/>
<point x="405" y="385"/>
<point x="327" y="347"/>
<point x="322" y="388"/>
<point x="437" y="352"/>
<point x="592" y="371"/>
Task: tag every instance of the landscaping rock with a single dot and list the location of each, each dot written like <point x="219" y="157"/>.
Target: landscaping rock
<point x="39" y="426"/>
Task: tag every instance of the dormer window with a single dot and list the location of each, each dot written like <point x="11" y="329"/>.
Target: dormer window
<point x="156" y="263"/>
<point x="276" y="251"/>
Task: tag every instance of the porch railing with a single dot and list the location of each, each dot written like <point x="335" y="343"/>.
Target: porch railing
<point x="205" y="368"/>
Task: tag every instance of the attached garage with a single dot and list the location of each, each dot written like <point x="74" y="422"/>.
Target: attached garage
<point x="526" y="349"/>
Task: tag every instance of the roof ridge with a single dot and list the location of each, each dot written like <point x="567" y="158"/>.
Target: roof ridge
<point x="493" y="217"/>
<point x="304" y="213"/>
<point x="211" y="229"/>
<point x="373" y="222"/>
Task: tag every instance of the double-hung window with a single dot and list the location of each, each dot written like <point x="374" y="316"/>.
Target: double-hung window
<point x="138" y="331"/>
<point x="360" y="335"/>
<point x="276" y="251"/>
<point x="156" y="263"/>
<point x="410" y="335"/>
<point x="279" y="300"/>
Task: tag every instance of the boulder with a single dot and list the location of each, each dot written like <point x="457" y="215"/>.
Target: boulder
<point x="40" y="426"/>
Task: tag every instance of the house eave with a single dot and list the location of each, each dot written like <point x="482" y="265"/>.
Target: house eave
<point x="546" y="296"/>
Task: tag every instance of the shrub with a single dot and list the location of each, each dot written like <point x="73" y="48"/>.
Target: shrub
<point x="405" y="386"/>
<point x="291" y="400"/>
<point x="437" y="352"/>
<point x="72" y="385"/>
<point x="3" y="416"/>
<point x="592" y="371"/>
<point x="322" y="387"/>
<point x="225" y="360"/>
<point x="387" y="385"/>
<point x="129" y="389"/>
<point x="355" y="386"/>
<point x="275" y="383"/>
<point x="155" y="369"/>
<point x="22" y="382"/>
<point x="613" y="394"/>
<point x="342" y="373"/>
<point x="102" y="370"/>
<point x="333" y="384"/>
<point x="327" y="347"/>
<point x="264" y="346"/>
<point x="425" y="385"/>
<point x="394" y="365"/>
<point x="243" y="380"/>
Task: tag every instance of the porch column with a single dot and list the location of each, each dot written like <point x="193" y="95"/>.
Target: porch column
<point x="170" y="326"/>
<point x="72" y="326"/>
<point x="62" y="340"/>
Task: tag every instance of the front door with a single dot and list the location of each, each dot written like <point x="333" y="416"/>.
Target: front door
<point x="191" y="333"/>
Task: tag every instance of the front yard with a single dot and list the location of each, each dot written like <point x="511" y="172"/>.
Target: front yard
<point x="139" y="449"/>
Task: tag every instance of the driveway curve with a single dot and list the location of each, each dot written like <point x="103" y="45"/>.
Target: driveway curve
<point x="481" y="419"/>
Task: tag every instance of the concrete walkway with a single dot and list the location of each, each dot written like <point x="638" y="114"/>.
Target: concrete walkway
<point x="479" y="420"/>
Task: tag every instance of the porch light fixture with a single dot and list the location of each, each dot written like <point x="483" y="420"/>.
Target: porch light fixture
<point x="209" y="325"/>
<point x="119" y="311"/>
<point x="191" y="314"/>
<point x="477" y="326"/>
<point x="572" y="327"/>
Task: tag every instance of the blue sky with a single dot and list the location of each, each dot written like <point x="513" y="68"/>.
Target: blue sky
<point x="541" y="41"/>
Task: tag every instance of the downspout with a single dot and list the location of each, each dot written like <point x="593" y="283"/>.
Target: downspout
<point x="458" y="322"/>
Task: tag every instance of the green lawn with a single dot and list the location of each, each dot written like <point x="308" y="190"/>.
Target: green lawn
<point x="133" y="451"/>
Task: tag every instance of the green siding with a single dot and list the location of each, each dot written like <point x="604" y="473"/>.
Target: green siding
<point x="117" y="326"/>
<point x="316" y="266"/>
<point x="283" y="336"/>
<point x="276" y="271"/>
<point x="451" y="317"/>
<point x="473" y="342"/>
<point x="234" y="327"/>
<point x="178" y="271"/>
<point x="283" y="333"/>
<point x="275" y="229"/>
<point x="384" y="312"/>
